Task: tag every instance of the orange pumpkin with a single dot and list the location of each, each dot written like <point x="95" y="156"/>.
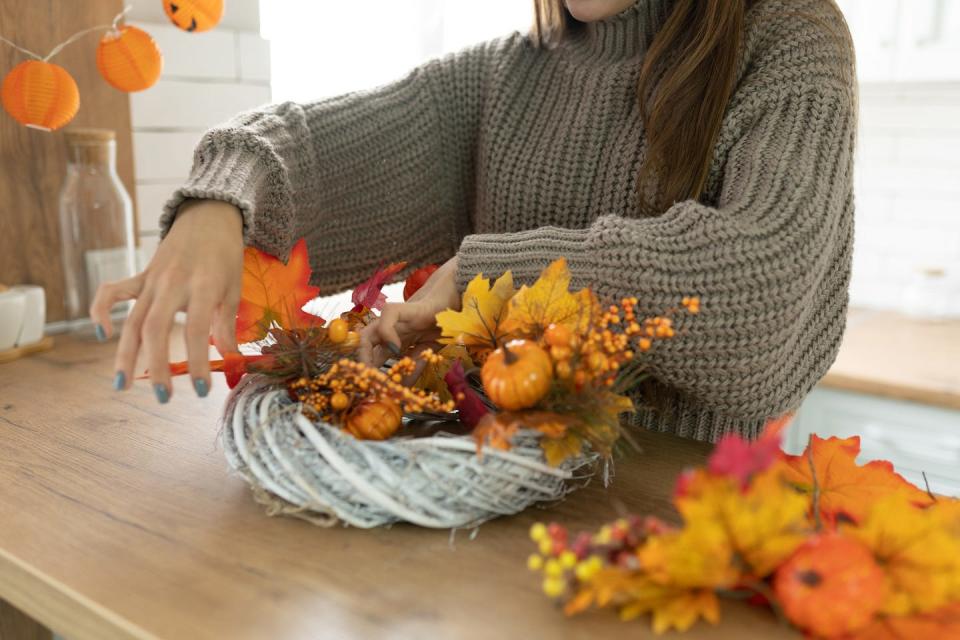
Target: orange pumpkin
<point x="831" y="586"/>
<point x="41" y="95"/>
<point x="194" y="15"/>
<point x="517" y="375"/>
<point x="337" y="330"/>
<point x="129" y="59"/>
<point x="374" y="420"/>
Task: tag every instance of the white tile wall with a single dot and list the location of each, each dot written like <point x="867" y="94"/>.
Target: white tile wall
<point x="907" y="188"/>
<point x="207" y="78"/>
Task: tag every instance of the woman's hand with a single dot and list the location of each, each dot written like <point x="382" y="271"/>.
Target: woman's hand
<point x="412" y="323"/>
<point x="197" y="269"/>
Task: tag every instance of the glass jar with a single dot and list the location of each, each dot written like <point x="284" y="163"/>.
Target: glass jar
<point x="96" y="221"/>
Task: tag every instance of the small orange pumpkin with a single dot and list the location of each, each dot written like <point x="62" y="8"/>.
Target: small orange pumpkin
<point x="831" y="586"/>
<point x="129" y="59"/>
<point x="374" y="420"/>
<point x="194" y="15"/>
<point x="337" y="330"/>
<point x="41" y="95"/>
<point x="517" y="375"/>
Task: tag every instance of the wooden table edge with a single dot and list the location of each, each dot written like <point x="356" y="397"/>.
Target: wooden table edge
<point x="60" y="608"/>
<point x="943" y="399"/>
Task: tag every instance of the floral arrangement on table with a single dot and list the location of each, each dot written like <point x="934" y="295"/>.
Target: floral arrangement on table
<point x="533" y="377"/>
<point x="839" y="550"/>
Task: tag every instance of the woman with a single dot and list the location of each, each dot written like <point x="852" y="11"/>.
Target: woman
<point x="664" y="147"/>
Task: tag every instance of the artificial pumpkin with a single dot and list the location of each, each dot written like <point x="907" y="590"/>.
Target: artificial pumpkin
<point x="40" y="95"/>
<point x="374" y="420"/>
<point x="337" y="330"/>
<point x="194" y="15"/>
<point x="417" y="279"/>
<point x="129" y="59"/>
<point x="831" y="586"/>
<point x="517" y="375"/>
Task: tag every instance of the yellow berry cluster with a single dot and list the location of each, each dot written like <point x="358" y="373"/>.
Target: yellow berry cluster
<point x="560" y="563"/>
<point x="347" y="382"/>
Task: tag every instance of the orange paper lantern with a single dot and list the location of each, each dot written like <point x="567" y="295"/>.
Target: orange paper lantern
<point x="129" y="59"/>
<point x="41" y="95"/>
<point x="194" y="15"/>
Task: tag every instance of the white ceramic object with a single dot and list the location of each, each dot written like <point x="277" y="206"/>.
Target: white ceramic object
<point x="34" y="315"/>
<point x="13" y="304"/>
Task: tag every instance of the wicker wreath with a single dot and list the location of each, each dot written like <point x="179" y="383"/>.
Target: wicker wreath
<point x="315" y="471"/>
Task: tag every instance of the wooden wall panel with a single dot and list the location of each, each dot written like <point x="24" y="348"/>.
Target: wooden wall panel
<point x="33" y="163"/>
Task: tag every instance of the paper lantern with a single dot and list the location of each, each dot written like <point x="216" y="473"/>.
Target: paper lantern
<point x="41" y="95"/>
<point x="129" y="59"/>
<point x="194" y="15"/>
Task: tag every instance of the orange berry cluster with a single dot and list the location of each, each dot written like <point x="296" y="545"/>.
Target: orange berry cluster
<point x="346" y="383"/>
<point x="597" y="354"/>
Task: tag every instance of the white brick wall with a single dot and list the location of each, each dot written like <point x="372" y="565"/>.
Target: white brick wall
<point x="207" y="77"/>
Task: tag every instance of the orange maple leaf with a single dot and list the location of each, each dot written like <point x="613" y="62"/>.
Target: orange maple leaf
<point x="274" y="293"/>
<point x="549" y="301"/>
<point x="847" y="490"/>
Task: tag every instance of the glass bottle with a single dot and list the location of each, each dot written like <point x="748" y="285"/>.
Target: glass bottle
<point x="96" y="221"/>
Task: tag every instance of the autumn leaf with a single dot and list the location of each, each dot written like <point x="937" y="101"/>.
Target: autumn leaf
<point x="918" y="551"/>
<point x="556" y="450"/>
<point x="432" y="377"/>
<point x="494" y="432"/>
<point x="369" y="294"/>
<point x="274" y="293"/>
<point x="700" y="555"/>
<point x="942" y="623"/>
<point x="470" y="407"/>
<point x="477" y="324"/>
<point x="549" y="301"/>
<point x="739" y="458"/>
<point x="847" y="489"/>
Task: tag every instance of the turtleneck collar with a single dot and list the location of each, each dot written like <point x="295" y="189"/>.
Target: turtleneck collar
<point x="626" y="34"/>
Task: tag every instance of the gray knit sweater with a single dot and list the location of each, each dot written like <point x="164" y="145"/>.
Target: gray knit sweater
<point x="510" y="156"/>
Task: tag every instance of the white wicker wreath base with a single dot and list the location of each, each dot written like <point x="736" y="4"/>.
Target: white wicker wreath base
<point x="315" y="471"/>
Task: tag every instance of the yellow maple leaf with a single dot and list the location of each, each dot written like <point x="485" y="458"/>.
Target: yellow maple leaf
<point x="549" y="301"/>
<point x="431" y="379"/>
<point x="636" y="594"/>
<point x="700" y="555"/>
<point x="919" y="554"/>
<point x="766" y="522"/>
<point x="556" y="450"/>
<point x="478" y="324"/>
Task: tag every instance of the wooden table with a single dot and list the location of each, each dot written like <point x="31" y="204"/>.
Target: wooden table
<point x="119" y="519"/>
<point x="891" y="355"/>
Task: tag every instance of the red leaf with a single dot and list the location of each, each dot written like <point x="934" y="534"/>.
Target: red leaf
<point x="738" y="458"/>
<point x="417" y="279"/>
<point x="368" y="294"/>
<point x="274" y="293"/>
<point x="469" y="404"/>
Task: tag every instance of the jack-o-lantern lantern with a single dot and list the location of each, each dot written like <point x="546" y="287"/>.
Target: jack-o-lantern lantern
<point x="194" y="15"/>
<point x="41" y="95"/>
<point x="129" y="59"/>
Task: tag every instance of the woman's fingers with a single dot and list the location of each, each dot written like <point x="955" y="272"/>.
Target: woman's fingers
<point x="109" y="294"/>
<point x="155" y="337"/>
<point x="126" y="358"/>
<point x="196" y="334"/>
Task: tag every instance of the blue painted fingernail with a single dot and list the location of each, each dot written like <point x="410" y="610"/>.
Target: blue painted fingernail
<point x="200" y="386"/>
<point x="394" y="349"/>
<point x="163" y="396"/>
<point x="119" y="380"/>
<point x="101" y="334"/>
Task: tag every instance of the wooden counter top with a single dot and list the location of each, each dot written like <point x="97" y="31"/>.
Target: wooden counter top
<point x="119" y="519"/>
<point x="891" y="355"/>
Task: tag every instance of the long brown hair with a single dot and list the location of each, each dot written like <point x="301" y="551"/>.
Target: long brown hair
<point x="688" y="75"/>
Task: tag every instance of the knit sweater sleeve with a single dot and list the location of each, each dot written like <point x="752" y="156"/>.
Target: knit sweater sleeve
<point x="770" y="261"/>
<point x="367" y="178"/>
